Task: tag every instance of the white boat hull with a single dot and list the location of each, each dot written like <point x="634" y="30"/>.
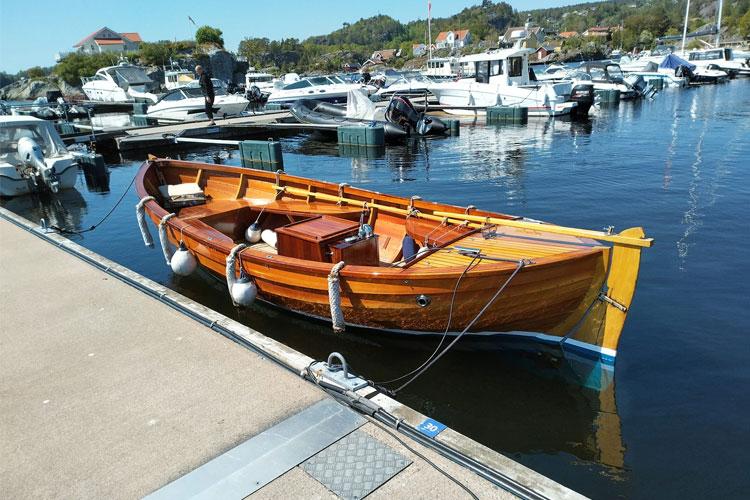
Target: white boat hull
<point x="12" y="183"/>
<point x="195" y="109"/>
<point x="544" y="100"/>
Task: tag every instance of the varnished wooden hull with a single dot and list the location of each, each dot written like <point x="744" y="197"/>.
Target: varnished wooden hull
<point x="551" y="295"/>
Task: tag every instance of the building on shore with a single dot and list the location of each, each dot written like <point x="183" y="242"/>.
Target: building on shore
<point x="107" y="40"/>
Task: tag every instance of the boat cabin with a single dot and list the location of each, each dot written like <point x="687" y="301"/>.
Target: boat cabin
<point x="122" y="75"/>
<point x="176" y="78"/>
<point x="505" y="66"/>
<point x="711" y="55"/>
<point x="191" y="91"/>
<point x="603" y="72"/>
<point x="442" y="66"/>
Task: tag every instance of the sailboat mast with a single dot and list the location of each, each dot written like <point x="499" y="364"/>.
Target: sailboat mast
<point x="429" y="27"/>
<point x="684" y="29"/>
<point x="718" y="23"/>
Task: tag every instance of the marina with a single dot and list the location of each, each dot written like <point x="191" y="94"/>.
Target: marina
<point x="506" y="264"/>
<point x="592" y="438"/>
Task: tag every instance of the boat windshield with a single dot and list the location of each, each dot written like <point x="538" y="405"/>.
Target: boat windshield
<point x="259" y="78"/>
<point x="43" y="133"/>
<point x="320" y="80"/>
<point x="195" y="91"/>
<point x="615" y="73"/>
<point x="129" y="74"/>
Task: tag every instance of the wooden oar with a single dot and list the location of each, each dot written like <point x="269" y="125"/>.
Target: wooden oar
<point x="551" y="228"/>
<point x="477" y="220"/>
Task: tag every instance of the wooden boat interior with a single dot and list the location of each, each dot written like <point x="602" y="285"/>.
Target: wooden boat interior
<point x="235" y="198"/>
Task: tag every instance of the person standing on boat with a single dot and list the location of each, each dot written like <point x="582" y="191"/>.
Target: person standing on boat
<point x="207" y="88"/>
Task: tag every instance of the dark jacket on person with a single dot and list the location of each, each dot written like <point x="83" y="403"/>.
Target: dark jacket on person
<point x="207" y="86"/>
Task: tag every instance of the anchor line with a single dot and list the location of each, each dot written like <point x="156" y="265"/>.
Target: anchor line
<point x="426" y="366"/>
<point x="63" y="230"/>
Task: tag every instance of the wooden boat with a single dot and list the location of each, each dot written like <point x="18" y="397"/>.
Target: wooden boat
<point x="563" y="286"/>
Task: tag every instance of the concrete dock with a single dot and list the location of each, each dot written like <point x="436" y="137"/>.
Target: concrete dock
<point x="107" y="390"/>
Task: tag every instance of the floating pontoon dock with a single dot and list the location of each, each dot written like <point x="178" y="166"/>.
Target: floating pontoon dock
<point x="117" y="387"/>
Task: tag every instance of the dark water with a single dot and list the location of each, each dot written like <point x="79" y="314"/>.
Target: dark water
<point x="674" y="424"/>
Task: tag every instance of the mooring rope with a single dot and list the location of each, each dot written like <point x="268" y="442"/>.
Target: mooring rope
<point x="62" y="230"/>
<point x="231" y="260"/>
<point x="334" y="298"/>
<point x="164" y="240"/>
<point x="521" y="264"/>
<point x="140" y="214"/>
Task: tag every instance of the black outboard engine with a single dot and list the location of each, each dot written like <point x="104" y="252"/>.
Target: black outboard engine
<point x="583" y="95"/>
<point x="684" y="72"/>
<point x="401" y="112"/>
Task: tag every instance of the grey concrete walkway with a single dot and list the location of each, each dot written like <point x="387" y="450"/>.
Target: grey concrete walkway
<point x="106" y="392"/>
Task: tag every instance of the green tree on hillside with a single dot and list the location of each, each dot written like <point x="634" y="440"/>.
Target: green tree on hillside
<point x="73" y="66"/>
<point x="208" y="34"/>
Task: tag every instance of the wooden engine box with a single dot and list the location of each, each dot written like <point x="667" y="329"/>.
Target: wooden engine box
<point x="310" y="239"/>
<point x="361" y="252"/>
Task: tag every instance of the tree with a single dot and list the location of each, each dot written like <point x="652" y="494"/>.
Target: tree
<point x="73" y="66"/>
<point x="207" y="34"/>
<point x="35" y="72"/>
<point x="743" y="25"/>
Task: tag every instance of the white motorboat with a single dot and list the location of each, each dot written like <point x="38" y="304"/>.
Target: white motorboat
<point x="552" y="72"/>
<point x="502" y="78"/>
<point x="122" y="83"/>
<point x="33" y="157"/>
<point x="609" y="76"/>
<point x="322" y="88"/>
<point x="176" y="77"/>
<point x="188" y="104"/>
<point x="264" y="81"/>
<point x="393" y="83"/>
<point x="721" y="59"/>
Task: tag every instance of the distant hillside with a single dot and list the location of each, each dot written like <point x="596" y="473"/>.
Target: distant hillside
<point x="642" y="21"/>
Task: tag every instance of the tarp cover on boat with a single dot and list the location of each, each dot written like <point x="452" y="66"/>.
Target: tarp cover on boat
<point x="359" y="106"/>
<point x="672" y="62"/>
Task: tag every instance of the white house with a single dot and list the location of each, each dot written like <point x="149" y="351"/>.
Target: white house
<point x="107" y="40"/>
<point x="453" y="39"/>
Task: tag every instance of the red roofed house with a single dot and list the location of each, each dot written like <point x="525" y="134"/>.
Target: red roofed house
<point x="568" y="34"/>
<point x="453" y="39"/>
<point x="106" y="40"/>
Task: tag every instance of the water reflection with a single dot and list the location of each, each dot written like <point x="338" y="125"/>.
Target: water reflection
<point x="65" y="209"/>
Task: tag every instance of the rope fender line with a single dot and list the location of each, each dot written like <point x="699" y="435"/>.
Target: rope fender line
<point x="231" y="261"/>
<point x="164" y="240"/>
<point x="140" y="214"/>
<point x="334" y="298"/>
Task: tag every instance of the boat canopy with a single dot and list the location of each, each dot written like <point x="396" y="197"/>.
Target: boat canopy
<point x="14" y="128"/>
<point x="672" y="62"/>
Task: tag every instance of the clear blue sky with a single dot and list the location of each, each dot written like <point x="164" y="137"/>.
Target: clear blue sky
<point x="32" y="31"/>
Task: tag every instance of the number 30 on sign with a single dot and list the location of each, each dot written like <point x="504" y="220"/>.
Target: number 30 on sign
<point x="431" y="427"/>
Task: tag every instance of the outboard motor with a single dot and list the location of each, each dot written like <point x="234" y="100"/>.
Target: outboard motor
<point x="684" y="72"/>
<point x="32" y="157"/>
<point x="583" y="95"/>
<point x="401" y="112"/>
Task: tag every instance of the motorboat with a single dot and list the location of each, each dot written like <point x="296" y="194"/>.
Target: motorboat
<point x="187" y="104"/>
<point x="33" y="157"/>
<point x="176" y="77"/>
<point x="393" y="83"/>
<point x="502" y="78"/>
<point x="680" y="68"/>
<point x="552" y="72"/>
<point x="264" y="81"/>
<point x="380" y="262"/>
<point x="322" y="88"/>
<point x="442" y="66"/>
<point x="122" y="83"/>
<point x="608" y="76"/>
<point x="721" y="59"/>
<point x="399" y="119"/>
